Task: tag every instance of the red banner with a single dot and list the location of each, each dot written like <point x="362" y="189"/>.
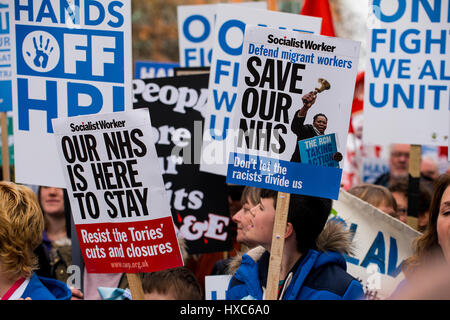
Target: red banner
<point x="126" y="247"/>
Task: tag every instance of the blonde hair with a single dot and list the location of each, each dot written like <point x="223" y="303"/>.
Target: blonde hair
<point x="21" y="227"/>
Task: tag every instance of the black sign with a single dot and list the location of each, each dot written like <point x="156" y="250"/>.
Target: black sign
<point x="198" y="199"/>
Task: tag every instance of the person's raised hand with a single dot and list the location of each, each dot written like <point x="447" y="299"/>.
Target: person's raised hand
<point x="309" y="99"/>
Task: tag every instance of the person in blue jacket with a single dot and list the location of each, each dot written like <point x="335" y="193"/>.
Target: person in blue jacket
<point x="21" y="226"/>
<point x="312" y="266"/>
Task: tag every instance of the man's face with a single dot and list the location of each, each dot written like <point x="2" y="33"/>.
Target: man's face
<point x="242" y="218"/>
<point x="399" y="160"/>
<point x="429" y="169"/>
<point x="320" y="124"/>
<point x="261" y="228"/>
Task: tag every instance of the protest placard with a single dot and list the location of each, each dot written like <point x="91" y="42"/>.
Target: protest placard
<point x="198" y="200"/>
<point x="225" y="68"/>
<point x="5" y="58"/>
<point x="196" y="32"/>
<point x="216" y="287"/>
<point x="5" y="88"/>
<point x="280" y="69"/>
<point x="69" y="58"/>
<point x="319" y="150"/>
<point x="154" y="69"/>
<point x="381" y="244"/>
<point x="407" y="76"/>
<point x="116" y="191"/>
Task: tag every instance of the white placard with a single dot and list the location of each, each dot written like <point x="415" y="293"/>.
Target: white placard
<point x="116" y="191"/>
<point x="223" y="80"/>
<point x="196" y="32"/>
<point x="407" y="92"/>
<point x="292" y="154"/>
<point x="381" y="244"/>
<point x="216" y="287"/>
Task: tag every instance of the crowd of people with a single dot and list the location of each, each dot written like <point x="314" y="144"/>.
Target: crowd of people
<point x="36" y="247"/>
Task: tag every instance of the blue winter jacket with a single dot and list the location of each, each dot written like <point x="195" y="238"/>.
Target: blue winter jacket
<point x="40" y="288"/>
<point x="319" y="276"/>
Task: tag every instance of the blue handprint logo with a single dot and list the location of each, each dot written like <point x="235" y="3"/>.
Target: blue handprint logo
<point x="40" y="51"/>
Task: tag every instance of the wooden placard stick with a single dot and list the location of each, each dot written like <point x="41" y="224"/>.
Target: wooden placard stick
<point x="413" y="184"/>
<point x="5" y="147"/>
<point x="276" y="249"/>
<point x="135" y="284"/>
<point x="272" y="5"/>
<point x="279" y="228"/>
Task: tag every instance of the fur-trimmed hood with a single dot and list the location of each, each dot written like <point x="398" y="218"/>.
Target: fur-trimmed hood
<point x="334" y="237"/>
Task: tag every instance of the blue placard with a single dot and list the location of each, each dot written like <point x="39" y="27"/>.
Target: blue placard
<point x="5" y="96"/>
<point x="152" y="69"/>
<point x="319" y="150"/>
<point x="5" y="60"/>
<point x="284" y="176"/>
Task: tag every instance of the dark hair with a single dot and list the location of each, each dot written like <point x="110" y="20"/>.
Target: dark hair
<point x="180" y="282"/>
<point x="320" y="115"/>
<point x="427" y="244"/>
<point x="266" y="193"/>
<point x="308" y="216"/>
<point x="235" y="192"/>
<point x="401" y="185"/>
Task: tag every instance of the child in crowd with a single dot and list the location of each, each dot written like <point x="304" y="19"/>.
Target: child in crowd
<point x="171" y="284"/>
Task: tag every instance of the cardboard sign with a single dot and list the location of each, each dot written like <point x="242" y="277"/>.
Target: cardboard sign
<point x="196" y="32"/>
<point x="5" y="58"/>
<point x="10" y="140"/>
<point x="119" y="204"/>
<point x="407" y="78"/>
<point x="225" y="68"/>
<point x="69" y="59"/>
<point x="373" y="168"/>
<point x="381" y="245"/>
<point x="280" y="68"/>
<point x="153" y="69"/>
<point x="216" y="287"/>
<point x="198" y="200"/>
<point x="319" y="150"/>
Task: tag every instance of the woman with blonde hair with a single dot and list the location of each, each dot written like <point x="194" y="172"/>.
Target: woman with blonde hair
<point x="21" y="226"/>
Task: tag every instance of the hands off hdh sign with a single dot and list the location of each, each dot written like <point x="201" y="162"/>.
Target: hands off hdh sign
<point x="118" y="200"/>
<point x="70" y="58"/>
